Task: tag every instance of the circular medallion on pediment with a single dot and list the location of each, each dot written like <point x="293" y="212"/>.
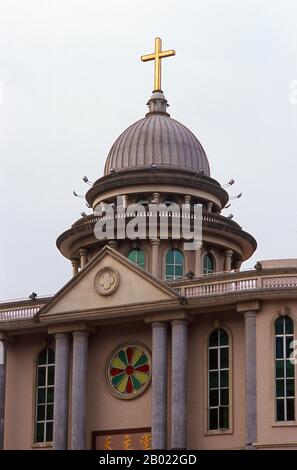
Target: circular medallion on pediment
<point x="107" y="281"/>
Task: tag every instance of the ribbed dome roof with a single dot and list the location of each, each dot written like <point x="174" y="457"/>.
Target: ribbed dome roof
<point x="157" y="139"/>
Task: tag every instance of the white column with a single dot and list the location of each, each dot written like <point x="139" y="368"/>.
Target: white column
<point x="250" y="379"/>
<point x="228" y="260"/>
<point x="3" y="355"/>
<point x="179" y="384"/>
<point x="159" y="385"/>
<point x="79" y="390"/>
<point x="83" y="253"/>
<point x="61" y="391"/>
<point x="155" y="258"/>
<point x="198" y="261"/>
<point x="75" y="265"/>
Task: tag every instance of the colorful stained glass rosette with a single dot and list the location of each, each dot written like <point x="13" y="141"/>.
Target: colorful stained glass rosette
<point x="128" y="371"/>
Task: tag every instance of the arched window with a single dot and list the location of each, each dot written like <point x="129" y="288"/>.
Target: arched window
<point x="284" y="369"/>
<point x="174" y="265"/>
<point x="218" y="380"/>
<point x="208" y="264"/>
<point x="44" y="409"/>
<point x="137" y="256"/>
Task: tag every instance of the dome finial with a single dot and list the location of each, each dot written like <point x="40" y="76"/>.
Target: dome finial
<point x="157" y="56"/>
<point x="157" y="104"/>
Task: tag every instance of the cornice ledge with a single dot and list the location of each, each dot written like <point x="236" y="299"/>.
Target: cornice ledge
<point x="250" y="306"/>
<point x="69" y="328"/>
<point x="168" y="317"/>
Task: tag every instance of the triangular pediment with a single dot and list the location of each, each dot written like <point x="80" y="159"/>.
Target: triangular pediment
<point x="108" y="283"/>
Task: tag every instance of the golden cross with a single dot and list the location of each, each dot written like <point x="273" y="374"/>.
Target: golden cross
<point x="157" y="56"/>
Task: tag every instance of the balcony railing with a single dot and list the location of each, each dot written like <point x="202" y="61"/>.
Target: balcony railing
<point x="21" y="309"/>
<point x="19" y="313"/>
<point x="239" y="282"/>
<point x="206" y="286"/>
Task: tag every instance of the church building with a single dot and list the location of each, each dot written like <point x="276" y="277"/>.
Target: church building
<point x="150" y="344"/>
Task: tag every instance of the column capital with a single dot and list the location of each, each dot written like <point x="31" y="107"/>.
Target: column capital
<point x="229" y="253"/>
<point x="250" y="314"/>
<point x="180" y="321"/>
<point x="80" y="333"/>
<point x="75" y="262"/>
<point x="64" y="329"/>
<point x="155" y="241"/>
<point x="61" y="336"/>
<point x="167" y="317"/>
<point x="159" y="324"/>
<point x="252" y="306"/>
<point x="83" y="251"/>
<point x="156" y="197"/>
<point x="209" y="206"/>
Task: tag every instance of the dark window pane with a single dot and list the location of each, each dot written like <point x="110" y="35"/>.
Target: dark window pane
<point x="50" y="395"/>
<point x="213" y="359"/>
<point x="224" y="417"/>
<point x="289" y="340"/>
<point x="213" y="380"/>
<point x="40" y="413"/>
<point x="41" y="376"/>
<point x="290" y="409"/>
<point x="213" y="419"/>
<point x="213" y="398"/>
<point x="51" y="375"/>
<point x="169" y="270"/>
<point x="289" y="325"/>
<point x="42" y="357"/>
<point x="50" y="412"/>
<point x="51" y="356"/>
<point x="290" y="385"/>
<point x="179" y="271"/>
<point x="40" y="432"/>
<point x="279" y="348"/>
<point x="279" y="326"/>
<point x="41" y="395"/>
<point x="179" y="257"/>
<point x="280" y="388"/>
<point x="170" y="257"/>
<point x="49" y="432"/>
<point x="214" y="338"/>
<point x="223" y="338"/>
<point x="289" y="369"/>
<point x="224" y="396"/>
<point x="208" y="265"/>
<point x="132" y="256"/>
<point x="279" y="366"/>
<point x="224" y="376"/>
<point x="224" y="358"/>
<point x="140" y="257"/>
<point x="280" y="413"/>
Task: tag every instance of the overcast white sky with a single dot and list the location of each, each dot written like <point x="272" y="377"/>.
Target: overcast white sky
<point x="71" y="81"/>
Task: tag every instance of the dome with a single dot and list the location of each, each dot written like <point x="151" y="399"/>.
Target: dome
<point x="157" y="139"/>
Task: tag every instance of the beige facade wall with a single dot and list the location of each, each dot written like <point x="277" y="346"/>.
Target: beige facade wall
<point x="106" y="412"/>
<point x="20" y="390"/>
<point x="270" y="432"/>
<point x="198" y="436"/>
